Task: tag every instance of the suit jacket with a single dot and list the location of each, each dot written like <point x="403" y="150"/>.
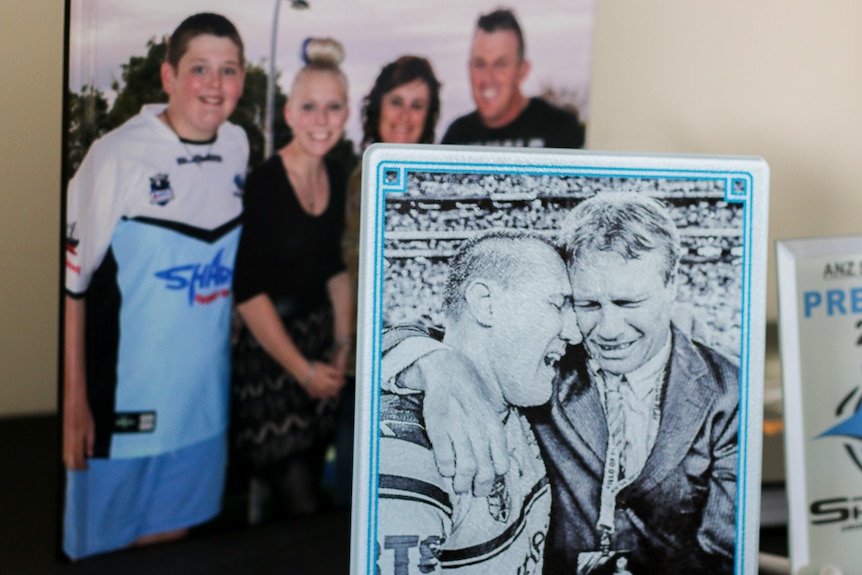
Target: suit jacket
<point x="678" y="516"/>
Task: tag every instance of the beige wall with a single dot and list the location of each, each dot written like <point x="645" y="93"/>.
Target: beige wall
<point x="774" y="78"/>
<point x="31" y="79"/>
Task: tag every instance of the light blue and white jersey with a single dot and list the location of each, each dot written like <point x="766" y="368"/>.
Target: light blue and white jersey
<point x="423" y="526"/>
<point x="153" y="228"/>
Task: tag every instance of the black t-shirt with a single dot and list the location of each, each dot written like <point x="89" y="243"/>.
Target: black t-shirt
<point x="284" y="251"/>
<point x="540" y="125"/>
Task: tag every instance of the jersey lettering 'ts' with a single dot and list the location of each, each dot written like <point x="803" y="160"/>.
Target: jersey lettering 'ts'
<point x="153" y="228"/>
<point x="423" y="526"/>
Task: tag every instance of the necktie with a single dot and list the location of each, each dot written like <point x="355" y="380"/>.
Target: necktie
<point x="616" y="420"/>
<point x="614" y="465"/>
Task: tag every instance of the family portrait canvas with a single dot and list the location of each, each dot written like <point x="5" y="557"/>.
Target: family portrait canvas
<point x="561" y="362"/>
<point x="211" y="154"/>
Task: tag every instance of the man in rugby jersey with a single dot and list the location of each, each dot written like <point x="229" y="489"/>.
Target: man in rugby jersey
<point x="508" y="311"/>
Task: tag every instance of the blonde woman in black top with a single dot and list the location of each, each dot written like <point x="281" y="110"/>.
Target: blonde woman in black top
<point x="294" y="294"/>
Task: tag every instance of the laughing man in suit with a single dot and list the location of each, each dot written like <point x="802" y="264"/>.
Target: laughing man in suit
<point x="663" y="487"/>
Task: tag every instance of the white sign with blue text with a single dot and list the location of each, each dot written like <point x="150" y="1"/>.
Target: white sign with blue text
<point x="820" y="304"/>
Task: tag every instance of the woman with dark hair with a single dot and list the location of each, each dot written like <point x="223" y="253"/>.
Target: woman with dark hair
<point x="404" y="104"/>
<point x="402" y="108"/>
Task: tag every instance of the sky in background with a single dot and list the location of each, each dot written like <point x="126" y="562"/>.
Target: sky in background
<point x="105" y="33"/>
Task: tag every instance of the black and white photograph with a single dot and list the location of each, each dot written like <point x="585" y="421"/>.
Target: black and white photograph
<point x="557" y="349"/>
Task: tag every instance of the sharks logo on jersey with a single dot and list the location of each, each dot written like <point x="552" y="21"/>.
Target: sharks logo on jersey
<point x="239" y="182"/>
<point x="205" y="282"/>
<point x="160" y="190"/>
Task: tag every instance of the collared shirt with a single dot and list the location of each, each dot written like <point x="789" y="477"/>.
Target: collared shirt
<point x="641" y="395"/>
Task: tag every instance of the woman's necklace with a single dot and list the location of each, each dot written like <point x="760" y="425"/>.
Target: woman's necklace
<point x="311" y="203"/>
<point x="311" y="190"/>
<point x="191" y="158"/>
<point x="309" y="199"/>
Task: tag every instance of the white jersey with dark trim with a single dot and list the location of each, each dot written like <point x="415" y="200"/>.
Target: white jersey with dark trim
<point x="153" y="227"/>
<point x="424" y="527"/>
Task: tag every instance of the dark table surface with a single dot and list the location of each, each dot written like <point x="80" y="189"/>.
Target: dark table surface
<point x="29" y="531"/>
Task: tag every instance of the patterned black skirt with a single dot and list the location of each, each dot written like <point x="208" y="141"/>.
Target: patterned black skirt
<point x="272" y="417"/>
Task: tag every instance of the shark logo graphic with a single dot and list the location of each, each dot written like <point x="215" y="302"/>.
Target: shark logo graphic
<point x="851" y="427"/>
<point x="160" y="190"/>
<point x="204" y="282"/>
<point x="239" y="182"/>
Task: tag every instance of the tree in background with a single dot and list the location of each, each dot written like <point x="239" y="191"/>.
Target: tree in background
<point x="89" y="115"/>
<point x="141" y="84"/>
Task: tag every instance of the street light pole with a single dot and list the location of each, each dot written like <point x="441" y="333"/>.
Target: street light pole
<point x="269" y="120"/>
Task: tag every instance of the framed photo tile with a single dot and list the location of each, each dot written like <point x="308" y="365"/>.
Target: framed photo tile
<point x="533" y="299"/>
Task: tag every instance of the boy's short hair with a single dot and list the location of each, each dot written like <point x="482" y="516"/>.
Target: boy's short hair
<point x="198" y="25"/>
<point x="499" y="20"/>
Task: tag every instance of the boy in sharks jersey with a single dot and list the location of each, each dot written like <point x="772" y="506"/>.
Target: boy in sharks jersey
<point x="153" y="223"/>
<point x="508" y="311"/>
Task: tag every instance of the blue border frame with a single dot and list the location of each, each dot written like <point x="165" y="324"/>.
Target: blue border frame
<point x="391" y="177"/>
